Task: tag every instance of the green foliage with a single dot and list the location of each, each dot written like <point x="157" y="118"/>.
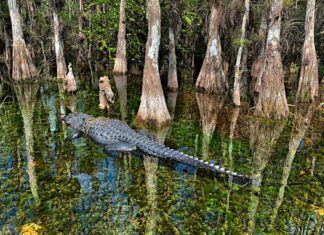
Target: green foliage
<point x="289" y="3"/>
<point x="320" y="70"/>
<point x="104" y="27"/>
<point x="136" y="31"/>
<point x="244" y="42"/>
<point x="103" y="30"/>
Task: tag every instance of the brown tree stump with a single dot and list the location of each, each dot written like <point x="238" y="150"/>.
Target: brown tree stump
<point x="106" y="95"/>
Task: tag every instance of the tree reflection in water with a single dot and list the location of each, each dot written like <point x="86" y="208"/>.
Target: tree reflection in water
<point x="209" y="108"/>
<point x="151" y="166"/>
<point x="26" y="96"/>
<point x="81" y="189"/>
<point x="302" y="119"/>
<point x="263" y="138"/>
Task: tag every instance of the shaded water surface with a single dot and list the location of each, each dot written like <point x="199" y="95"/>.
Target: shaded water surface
<point x="73" y="187"/>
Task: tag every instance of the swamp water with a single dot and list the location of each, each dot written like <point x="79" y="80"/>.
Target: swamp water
<point x="72" y="187"/>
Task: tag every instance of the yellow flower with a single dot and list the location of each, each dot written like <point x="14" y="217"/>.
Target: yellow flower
<point x="30" y="229"/>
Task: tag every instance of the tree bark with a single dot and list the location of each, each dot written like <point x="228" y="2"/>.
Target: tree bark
<point x="212" y="77"/>
<point x="106" y="95"/>
<point x="238" y="71"/>
<point x="153" y="107"/>
<point x="308" y="81"/>
<point x="172" y="71"/>
<point x="175" y="23"/>
<point x="81" y="11"/>
<point x="120" y="66"/>
<point x="7" y="54"/>
<point x="31" y="14"/>
<point x="121" y="85"/>
<point x="258" y="64"/>
<point x="272" y="96"/>
<point x="172" y="102"/>
<point x="60" y="61"/>
<point x="244" y="76"/>
<point x="22" y="64"/>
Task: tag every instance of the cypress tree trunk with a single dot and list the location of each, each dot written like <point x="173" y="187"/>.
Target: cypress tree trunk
<point x="238" y="66"/>
<point x="7" y="53"/>
<point x="120" y="66"/>
<point x="81" y="11"/>
<point x="258" y="64"/>
<point x="60" y="61"/>
<point x="22" y="64"/>
<point x="272" y="96"/>
<point x="175" y="23"/>
<point x="172" y="71"/>
<point x="308" y="80"/>
<point x="121" y="85"/>
<point x="212" y="77"/>
<point x="172" y="102"/>
<point x="153" y="107"/>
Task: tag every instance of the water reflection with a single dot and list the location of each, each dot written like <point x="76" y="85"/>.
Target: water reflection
<point x="26" y="96"/>
<point x="49" y="100"/>
<point x="235" y="114"/>
<point x="302" y="118"/>
<point x="209" y="108"/>
<point x="82" y="190"/>
<point x="151" y="166"/>
<point x="67" y="101"/>
<point x="263" y="138"/>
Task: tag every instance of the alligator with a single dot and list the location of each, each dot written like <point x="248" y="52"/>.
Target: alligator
<point x="115" y="135"/>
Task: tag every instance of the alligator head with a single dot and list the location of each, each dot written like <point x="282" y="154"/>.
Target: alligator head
<point x="76" y="120"/>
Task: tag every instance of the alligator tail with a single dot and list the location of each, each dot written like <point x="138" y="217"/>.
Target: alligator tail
<point x="168" y="153"/>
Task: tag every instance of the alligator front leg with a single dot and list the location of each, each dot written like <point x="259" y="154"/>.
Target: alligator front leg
<point x="120" y="146"/>
<point x="74" y="135"/>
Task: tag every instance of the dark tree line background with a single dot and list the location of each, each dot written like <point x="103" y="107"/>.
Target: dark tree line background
<point x="89" y="32"/>
<point x="100" y="29"/>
